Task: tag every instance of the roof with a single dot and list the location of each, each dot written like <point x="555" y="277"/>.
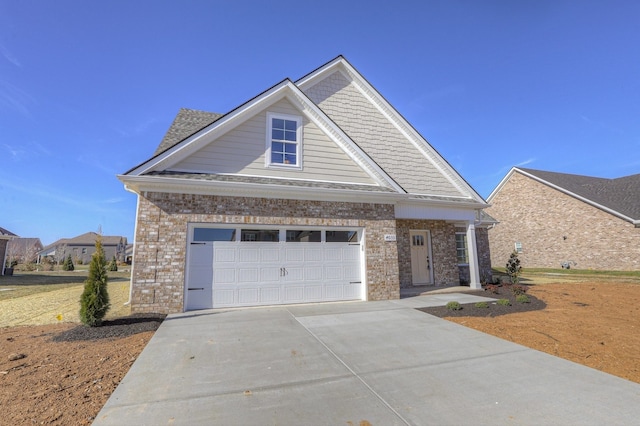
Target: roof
<point x="87" y="239"/>
<point x="21" y="244"/>
<point x="186" y="123"/>
<point x="5" y="233"/>
<point x="620" y="196"/>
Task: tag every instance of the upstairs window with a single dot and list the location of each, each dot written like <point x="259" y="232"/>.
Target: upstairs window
<point x="284" y="140"/>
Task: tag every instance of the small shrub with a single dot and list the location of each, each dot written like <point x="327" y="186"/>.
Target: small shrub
<point x="454" y="306"/>
<point x="482" y="305"/>
<point x="68" y="264"/>
<point x="513" y="268"/>
<point x="113" y="265"/>
<point x="519" y="289"/>
<point x="522" y="298"/>
<point x="94" y="302"/>
<point x="504" y="302"/>
<point x="492" y="288"/>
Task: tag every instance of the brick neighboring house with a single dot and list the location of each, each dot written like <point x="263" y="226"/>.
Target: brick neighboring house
<point x="5" y="237"/>
<point x="559" y="219"/>
<point x="82" y="247"/>
<point x="314" y="190"/>
<point x="24" y="250"/>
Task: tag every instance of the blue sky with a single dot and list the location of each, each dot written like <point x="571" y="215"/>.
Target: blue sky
<point x="88" y="89"/>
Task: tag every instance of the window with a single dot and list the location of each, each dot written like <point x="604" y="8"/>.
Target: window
<point x="417" y="240"/>
<point x="284" y="138"/>
<point x="303" y="236"/>
<point x="461" y="247"/>
<point x="342" y="236"/>
<point x="214" y="234"/>
<point x="518" y="247"/>
<point x="271" y="235"/>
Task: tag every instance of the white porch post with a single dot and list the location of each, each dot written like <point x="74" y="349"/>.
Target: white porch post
<point x="472" y="248"/>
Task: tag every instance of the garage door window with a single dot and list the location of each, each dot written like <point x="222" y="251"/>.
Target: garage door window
<point x="258" y="235"/>
<point x="342" y="236"/>
<point x="303" y="236"/>
<point x="214" y="234"/>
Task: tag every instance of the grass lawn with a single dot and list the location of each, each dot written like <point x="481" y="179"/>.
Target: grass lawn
<point x="542" y="276"/>
<point x="31" y="282"/>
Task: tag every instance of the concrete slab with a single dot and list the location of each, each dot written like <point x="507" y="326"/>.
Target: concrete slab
<point x="353" y="363"/>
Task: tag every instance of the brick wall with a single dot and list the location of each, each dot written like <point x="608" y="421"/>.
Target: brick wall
<point x="161" y="239"/>
<point x="443" y="249"/>
<point x="540" y="217"/>
<point x="484" y="258"/>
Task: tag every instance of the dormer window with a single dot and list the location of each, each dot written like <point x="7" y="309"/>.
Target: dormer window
<point x="284" y="141"/>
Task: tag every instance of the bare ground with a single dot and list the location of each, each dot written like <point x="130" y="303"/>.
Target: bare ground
<point x="69" y="371"/>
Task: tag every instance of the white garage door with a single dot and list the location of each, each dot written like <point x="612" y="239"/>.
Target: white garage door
<point x="251" y="271"/>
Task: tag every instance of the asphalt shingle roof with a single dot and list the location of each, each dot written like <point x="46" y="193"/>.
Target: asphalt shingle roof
<point x="186" y="123"/>
<point x="621" y="194"/>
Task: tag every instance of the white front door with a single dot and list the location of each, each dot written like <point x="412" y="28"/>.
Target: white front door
<point x="199" y="276"/>
<point x="420" y="257"/>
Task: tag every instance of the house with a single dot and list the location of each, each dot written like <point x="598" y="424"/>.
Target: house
<point x="23" y="250"/>
<point x="82" y="247"/>
<point x="559" y="220"/>
<point x="314" y="190"/>
<point x="5" y="237"/>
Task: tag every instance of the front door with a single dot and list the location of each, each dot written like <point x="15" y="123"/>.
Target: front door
<point x="420" y="258"/>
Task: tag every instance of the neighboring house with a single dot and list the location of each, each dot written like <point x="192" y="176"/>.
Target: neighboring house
<point x="561" y="220"/>
<point x="314" y="190"/>
<point x="5" y="237"/>
<point x="23" y="250"/>
<point x="83" y="246"/>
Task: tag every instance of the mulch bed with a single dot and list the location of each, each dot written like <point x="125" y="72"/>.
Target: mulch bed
<point x="113" y="329"/>
<point x="493" y="310"/>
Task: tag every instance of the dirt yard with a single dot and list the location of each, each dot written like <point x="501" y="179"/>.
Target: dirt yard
<point x="63" y="375"/>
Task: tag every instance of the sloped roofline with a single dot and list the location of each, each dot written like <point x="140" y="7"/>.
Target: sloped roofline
<point x="586" y="200"/>
<point x="285" y="89"/>
<point x="341" y="64"/>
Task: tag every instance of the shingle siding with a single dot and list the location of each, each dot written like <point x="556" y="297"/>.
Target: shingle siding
<point x="540" y="217"/>
<point x="376" y="135"/>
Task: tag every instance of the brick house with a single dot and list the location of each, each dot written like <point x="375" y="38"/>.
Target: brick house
<point x="82" y="247"/>
<point x="5" y="237"/>
<point x="314" y="190"/>
<point x="561" y="220"/>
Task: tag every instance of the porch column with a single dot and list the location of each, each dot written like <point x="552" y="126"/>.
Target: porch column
<point x="472" y="249"/>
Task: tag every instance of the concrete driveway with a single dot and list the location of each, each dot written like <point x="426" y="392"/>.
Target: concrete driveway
<point x="355" y="364"/>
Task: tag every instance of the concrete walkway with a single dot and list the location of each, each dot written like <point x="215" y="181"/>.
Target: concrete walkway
<point x="357" y="363"/>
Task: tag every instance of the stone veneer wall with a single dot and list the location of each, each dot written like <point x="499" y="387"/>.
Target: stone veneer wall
<point x="540" y="218"/>
<point x="443" y="250"/>
<point x="161" y="239"/>
<point x="3" y="249"/>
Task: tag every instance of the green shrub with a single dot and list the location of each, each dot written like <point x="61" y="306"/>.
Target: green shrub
<point x="454" y="306"/>
<point x="68" y="264"/>
<point x="503" y="302"/>
<point x="482" y="305"/>
<point x="522" y="298"/>
<point x="513" y="268"/>
<point x="94" y="302"/>
<point x="113" y="265"/>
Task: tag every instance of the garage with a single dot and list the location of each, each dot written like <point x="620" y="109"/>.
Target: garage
<point x="253" y="266"/>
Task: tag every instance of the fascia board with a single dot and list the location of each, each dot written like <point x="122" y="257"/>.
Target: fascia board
<point x="387" y="110"/>
<point x="140" y="184"/>
<point x="215" y="129"/>
<point x="500" y="185"/>
<point x="581" y="198"/>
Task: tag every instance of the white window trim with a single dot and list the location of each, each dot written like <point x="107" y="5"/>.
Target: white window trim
<point x="466" y="248"/>
<point x="267" y="159"/>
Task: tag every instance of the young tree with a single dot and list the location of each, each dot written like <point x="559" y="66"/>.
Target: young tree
<point x="113" y="265"/>
<point x="513" y="268"/>
<point x="94" y="302"/>
<point x="68" y="264"/>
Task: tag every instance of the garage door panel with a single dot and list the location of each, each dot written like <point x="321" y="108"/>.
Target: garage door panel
<point x="313" y="273"/>
<point x="334" y="291"/>
<point x="270" y="274"/>
<point x="268" y="254"/>
<point x="312" y="254"/>
<point x="333" y="272"/>
<point x="292" y="274"/>
<point x="223" y="254"/>
<point x="270" y="295"/>
<point x="248" y="275"/>
<point x="224" y="297"/>
<point x="248" y="254"/>
<point x="224" y="275"/>
<point x="294" y="254"/>
<point x="248" y="296"/>
<point x="313" y="292"/>
<point x="294" y="293"/>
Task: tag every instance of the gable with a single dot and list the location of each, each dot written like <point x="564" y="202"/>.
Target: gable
<point x="417" y="171"/>
<point x="242" y="151"/>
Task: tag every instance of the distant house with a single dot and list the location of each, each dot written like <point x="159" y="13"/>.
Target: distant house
<point x="561" y="220"/>
<point x="5" y="237"/>
<point x="23" y="250"/>
<point x="83" y="246"/>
